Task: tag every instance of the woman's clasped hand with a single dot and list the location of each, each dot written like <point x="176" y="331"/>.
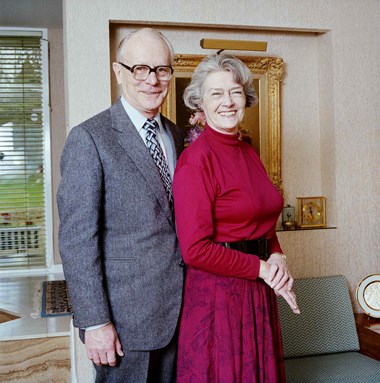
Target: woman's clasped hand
<point x="276" y="274"/>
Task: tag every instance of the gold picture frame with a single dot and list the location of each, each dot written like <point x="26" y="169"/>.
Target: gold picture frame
<point x="261" y="125"/>
<point x="311" y="212"/>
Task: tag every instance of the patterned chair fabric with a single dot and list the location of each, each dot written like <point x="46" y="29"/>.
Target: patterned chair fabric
<point x="321" y="344"/>
<point x="326" y="324"/>
<point x="346" y="367"/>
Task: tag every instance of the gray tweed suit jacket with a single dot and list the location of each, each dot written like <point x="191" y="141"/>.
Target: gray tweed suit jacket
<point x="117" y="235"/>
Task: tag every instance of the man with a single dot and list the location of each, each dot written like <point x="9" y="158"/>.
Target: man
<point x="118" y="242"/>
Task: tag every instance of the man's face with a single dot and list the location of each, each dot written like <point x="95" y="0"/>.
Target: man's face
<point x="148" y="95"/>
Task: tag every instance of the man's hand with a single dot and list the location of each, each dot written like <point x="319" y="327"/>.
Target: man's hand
<point x="102" y="345"/>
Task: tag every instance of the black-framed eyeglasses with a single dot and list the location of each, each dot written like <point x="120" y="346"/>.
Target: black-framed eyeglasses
<point x="141" y="72"/>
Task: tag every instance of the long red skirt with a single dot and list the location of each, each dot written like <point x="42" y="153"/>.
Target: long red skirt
<point x="229" y="332"/>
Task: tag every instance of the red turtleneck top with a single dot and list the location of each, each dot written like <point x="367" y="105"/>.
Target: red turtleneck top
<point x="223" y="194"/>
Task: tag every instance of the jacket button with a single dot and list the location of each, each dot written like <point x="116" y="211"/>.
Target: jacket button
<point x="181" y="263"/>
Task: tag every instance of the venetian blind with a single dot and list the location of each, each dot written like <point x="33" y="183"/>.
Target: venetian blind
<point x="22" y="153"/>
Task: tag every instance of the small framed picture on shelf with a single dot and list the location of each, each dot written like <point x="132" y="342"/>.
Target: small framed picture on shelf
<point x="311" y="212"/>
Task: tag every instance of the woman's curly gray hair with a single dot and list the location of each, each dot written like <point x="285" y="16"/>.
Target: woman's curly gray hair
<point x="194" y="92"/>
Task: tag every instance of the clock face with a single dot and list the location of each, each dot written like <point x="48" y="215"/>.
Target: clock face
<point x="312" y="212"/>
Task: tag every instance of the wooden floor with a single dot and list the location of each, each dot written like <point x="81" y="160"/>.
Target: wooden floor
<point x="6" y="317"/>
<point x="39" y="360"/>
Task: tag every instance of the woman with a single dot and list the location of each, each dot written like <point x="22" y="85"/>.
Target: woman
<point x="226" y="212"/>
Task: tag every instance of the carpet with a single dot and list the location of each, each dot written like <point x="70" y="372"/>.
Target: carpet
<point x="55" y="299"/>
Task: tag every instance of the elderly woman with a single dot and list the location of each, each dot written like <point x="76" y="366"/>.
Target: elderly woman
<point x="226" y="212"/>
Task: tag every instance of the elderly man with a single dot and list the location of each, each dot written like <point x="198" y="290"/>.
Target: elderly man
<point x="117" y="238"/>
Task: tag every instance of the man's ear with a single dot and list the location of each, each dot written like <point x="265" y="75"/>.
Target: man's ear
<point x="117" y="69"/>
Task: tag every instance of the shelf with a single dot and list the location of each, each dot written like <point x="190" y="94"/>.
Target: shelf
<point x="307" y="229"/>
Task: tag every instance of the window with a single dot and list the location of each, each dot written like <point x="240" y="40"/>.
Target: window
<point x="25" y="181"/>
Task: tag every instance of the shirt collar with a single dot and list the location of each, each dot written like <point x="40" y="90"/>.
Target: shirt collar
<point x="136" y="117"/>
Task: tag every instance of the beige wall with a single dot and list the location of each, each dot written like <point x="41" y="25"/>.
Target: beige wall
<point x="330" y="102"/>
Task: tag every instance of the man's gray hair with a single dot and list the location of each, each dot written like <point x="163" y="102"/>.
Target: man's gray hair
<point x="121" y="47"/>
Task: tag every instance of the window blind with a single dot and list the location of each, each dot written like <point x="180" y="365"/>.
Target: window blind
<point x="22" y="153"/>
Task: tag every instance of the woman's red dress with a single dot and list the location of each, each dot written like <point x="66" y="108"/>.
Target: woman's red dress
<point x="229" y="328"/>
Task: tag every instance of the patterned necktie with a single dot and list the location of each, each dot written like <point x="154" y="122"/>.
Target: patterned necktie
<point x="158" y="155"/>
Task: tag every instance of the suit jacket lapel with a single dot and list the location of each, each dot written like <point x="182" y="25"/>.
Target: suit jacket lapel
<point x="136" y="149"/>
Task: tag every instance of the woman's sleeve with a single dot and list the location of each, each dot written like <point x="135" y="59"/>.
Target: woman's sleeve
<point x="275" y="246"/>
<point x="194" y="194"/>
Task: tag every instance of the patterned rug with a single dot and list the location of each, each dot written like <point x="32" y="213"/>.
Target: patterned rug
<point x="55" y="299"/>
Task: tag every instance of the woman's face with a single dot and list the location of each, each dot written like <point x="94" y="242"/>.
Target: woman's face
<point x="223" y="102"/>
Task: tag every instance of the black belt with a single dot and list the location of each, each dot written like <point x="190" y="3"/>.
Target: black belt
<point x="257" y="247"/>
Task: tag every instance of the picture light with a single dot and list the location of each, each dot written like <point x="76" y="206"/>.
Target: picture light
<point x="238" y="45"/>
